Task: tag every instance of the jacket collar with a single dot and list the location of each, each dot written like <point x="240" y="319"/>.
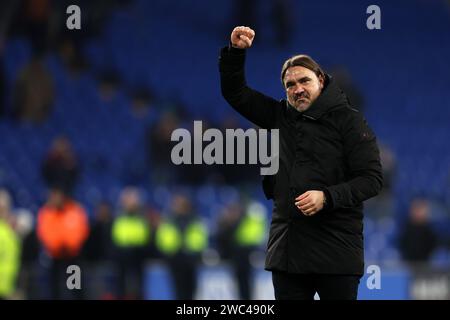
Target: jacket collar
<point x="331" y="98"/>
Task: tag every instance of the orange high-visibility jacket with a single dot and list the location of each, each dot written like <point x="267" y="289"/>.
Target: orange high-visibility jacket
<point x="63" y="231"/>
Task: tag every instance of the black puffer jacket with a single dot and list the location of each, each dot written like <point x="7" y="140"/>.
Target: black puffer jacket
<point x="328" y="147"/>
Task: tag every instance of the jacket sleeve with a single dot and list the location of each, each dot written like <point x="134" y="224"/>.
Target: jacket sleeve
<point x="253" y="105"/>
<point x="363" y="166"/>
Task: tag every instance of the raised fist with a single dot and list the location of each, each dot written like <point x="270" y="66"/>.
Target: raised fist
<point x="242" y="37"/>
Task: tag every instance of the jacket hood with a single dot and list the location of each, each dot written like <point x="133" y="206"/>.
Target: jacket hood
<point x="331" y="98"/>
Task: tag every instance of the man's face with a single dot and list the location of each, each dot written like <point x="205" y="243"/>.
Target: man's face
<point x="302" y="87"/>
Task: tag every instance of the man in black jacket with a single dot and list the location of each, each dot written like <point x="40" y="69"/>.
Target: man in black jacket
<point x="329" y="164"/>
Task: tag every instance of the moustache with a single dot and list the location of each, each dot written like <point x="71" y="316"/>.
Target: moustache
<point x="301" y="96"/>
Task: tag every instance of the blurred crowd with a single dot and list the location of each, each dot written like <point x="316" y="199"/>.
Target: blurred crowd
<point x="114" y="247"/>
<point x="115" y="244"/>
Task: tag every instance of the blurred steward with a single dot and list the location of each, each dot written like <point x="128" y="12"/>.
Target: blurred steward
<point x="9" y="249"/>
<point x="240" y="233"/>
<point x="131" y="236"/>
<point x="181" y="237"/>
<point x="62" y="229"/>
<point x="99" y="252"/>
<point x="29" y="275"/>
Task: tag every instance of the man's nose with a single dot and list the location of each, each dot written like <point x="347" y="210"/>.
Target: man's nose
<point x="299" y="89"/>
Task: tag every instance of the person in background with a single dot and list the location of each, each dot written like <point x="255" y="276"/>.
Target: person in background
<point x="33" y="92"/>
<point x="28" y="278"/>
<point x="240" y="233"/>
<point x="131" y="237"/>
<point x="344" y="78"/>
<point x="283" y="24"/>
<point x="60" y="168"/>
<point x="418" y="240"/>
<point x="35" y="17"/>
<point x="274" y="17"/>
<point x="181" y="237"/>
<point x="242" y="175"/>
<point x="383" y="206"/>
<point x="159" y="148"/>
<point x="142" y="101"/>
<point x="62" y="229"/>
<point x="9" y="249"/>
<point x="109" y="82"/>
<point x="99" y="252"/>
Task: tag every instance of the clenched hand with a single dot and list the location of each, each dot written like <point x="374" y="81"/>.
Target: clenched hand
<point x="242" y="37"/>
<point x="310" y="202"/>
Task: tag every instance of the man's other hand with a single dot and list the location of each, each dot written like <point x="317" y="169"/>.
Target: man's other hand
<point x="242" y="37"/>
<point x="310" y="202"/>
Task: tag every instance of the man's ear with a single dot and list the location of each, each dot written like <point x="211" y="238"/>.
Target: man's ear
<point x="321" y="81"/>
